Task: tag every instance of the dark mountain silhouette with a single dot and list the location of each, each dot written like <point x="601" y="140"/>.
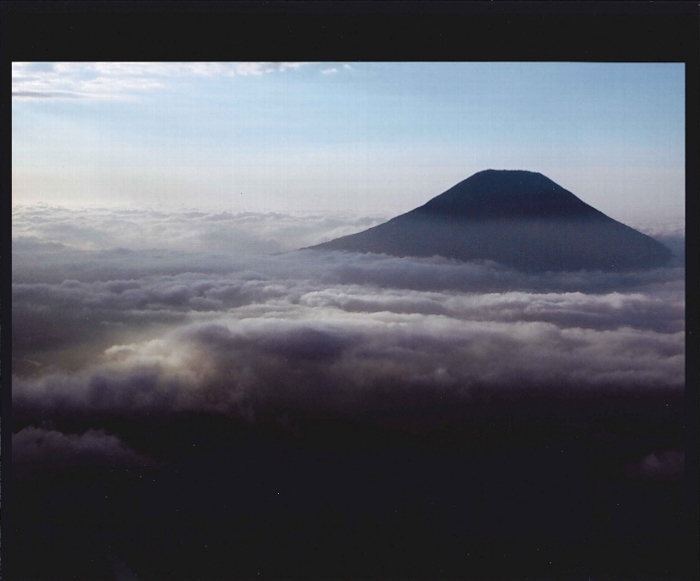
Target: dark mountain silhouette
<point x="518" y="218"/>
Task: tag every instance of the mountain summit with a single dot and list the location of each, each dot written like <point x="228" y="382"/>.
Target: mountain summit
<point x="518" y="218"/>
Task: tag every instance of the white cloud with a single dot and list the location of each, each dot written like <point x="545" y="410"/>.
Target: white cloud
<point x="241" y="233"/>
<point x="108" y="326"/>
<point x="348" y="67"/>
<point x="225" y="329"/>
<point x="285" y="352"/>
<point x="121" y="80"/>
<point x="329" y="71"/>
<point x="123" y="321"/>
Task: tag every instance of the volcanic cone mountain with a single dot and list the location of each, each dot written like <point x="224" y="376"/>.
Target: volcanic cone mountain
<point x="518" y="218"/>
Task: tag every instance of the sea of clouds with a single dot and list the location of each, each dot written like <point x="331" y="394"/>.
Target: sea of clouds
<point x="142" y="313"/>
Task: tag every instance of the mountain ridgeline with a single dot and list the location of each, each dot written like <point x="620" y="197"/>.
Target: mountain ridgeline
<point x="518" y="218"/>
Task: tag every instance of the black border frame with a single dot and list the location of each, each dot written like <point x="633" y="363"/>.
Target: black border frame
<point x="364" y="30"/>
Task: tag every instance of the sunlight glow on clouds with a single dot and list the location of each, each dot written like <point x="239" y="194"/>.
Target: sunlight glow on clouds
<point x="230" y="330"/>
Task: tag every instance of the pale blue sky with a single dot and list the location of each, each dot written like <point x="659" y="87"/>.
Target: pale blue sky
<point x="366" y="138"/>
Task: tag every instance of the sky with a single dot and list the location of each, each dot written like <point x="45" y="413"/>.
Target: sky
<point x="368" y="139"/>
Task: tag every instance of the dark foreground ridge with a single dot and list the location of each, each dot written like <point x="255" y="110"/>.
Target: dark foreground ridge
<point x="517" y="218"/>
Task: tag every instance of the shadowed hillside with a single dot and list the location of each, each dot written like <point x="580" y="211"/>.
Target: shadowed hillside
<point x="518" y="218"/>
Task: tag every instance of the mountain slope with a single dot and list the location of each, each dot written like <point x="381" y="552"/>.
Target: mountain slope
<point x="518" y="218"/>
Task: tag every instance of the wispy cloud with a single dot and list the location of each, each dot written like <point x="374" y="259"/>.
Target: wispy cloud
<point x="329" y="71"/>
<point x="118" y="80"/>
<point x="348" y="67"/>
<point x="44" y="94"/>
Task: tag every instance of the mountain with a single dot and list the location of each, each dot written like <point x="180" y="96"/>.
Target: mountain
<point x="518" y="218"/>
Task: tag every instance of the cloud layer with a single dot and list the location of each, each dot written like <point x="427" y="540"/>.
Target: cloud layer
<point x="119" y="313"/>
